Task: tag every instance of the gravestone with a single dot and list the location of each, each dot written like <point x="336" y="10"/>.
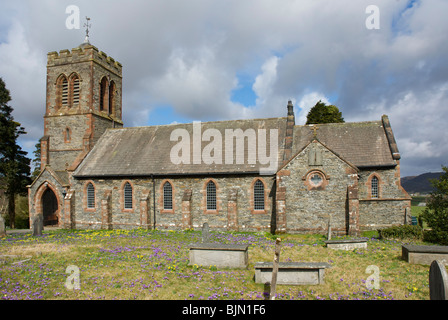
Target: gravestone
<point x="275" y="268"/>
<point x="292" y="273"/>
<point x="438" y="281"/>
<point x="2" y="227"/>
<point x="38" y="225"/>
<point x="424" y="254"/>
<point x="346" y="244"/>
<point x="329" y="229"/>
<point x="205" y="233"/>
<point x="219" y="255"/>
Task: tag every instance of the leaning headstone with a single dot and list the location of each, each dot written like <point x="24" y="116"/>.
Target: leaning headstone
<point x="438" y="281"/>
<point x="205" y="233"/>
<point x="275" y="268"/>
<point x="38" y="225"/>
<point x="2" y="227"/>
<point x="329" y="229"/>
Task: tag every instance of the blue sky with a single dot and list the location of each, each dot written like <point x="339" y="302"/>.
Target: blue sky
<point x="217" y="60"/>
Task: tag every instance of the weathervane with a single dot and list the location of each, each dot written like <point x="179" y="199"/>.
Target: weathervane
<point x="87" y="25"/>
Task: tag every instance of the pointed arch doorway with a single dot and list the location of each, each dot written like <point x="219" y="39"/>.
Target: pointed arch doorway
<point x="50" y="208"/>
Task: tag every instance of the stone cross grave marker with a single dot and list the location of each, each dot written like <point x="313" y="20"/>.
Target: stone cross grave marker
<point x="438" y="281"/>
<point x="38" y="225"/>
<point x="205" y="233"/>
<point x="2" y="227"/>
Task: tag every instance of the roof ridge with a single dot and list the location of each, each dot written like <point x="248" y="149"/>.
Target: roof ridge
<point x="338" y="123"/>
<point x="202" y="122"/>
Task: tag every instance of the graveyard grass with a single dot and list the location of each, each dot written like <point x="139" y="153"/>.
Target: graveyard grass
<point x="148" y="264"/>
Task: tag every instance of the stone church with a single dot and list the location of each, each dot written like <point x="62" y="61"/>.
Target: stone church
<point x="97" y="174"/>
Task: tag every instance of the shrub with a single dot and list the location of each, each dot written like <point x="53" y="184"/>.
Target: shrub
<point x="436" y="212"/>
<point x="22" y="215"/>
<point x="402" y="232"/>
<point x="436" y="236"/>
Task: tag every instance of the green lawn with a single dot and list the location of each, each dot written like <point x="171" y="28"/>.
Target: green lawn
<point x="416" y="211"/>
<point x="145" y="264"/>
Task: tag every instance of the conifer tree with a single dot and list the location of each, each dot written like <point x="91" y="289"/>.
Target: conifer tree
<point x="436" y="212"/>
<point x="322" y="113"/>
<point x="14" y="165"/>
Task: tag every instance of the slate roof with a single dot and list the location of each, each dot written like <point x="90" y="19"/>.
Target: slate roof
<point x="364" y="144"/>
<point x="142" y="151"/>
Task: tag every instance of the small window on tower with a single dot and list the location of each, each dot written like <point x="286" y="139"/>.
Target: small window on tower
<point x="64" y="97"/>
<point x="111" y="97"/>
<point x="103" y="94"/>
<point x="76" y="90"/>
<point x="67" y="135"/>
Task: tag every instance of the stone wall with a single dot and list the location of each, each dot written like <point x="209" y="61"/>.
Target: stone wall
<point x="393" y="204"/>
<point x="298" y="205"/>
<point x="309" y="207"/>
<point x="234" y="204"/>
<point x="378" y="214"/>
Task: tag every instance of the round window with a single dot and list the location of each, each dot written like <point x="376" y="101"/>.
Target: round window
<point x="316" y="179"/>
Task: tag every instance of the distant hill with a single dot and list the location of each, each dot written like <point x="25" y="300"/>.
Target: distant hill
<point x="421" y="183"/>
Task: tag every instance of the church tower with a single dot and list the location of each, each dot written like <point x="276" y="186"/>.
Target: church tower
<point x="84" y="96"/>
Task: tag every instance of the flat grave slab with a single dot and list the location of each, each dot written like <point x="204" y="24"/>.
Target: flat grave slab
<point x="346" y="244"/>
<point x="424" y="254"/>
<point x="219" y="255"/>
<point x="292" y="273"/>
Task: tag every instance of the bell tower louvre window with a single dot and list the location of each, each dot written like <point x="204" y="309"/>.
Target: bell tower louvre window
<point x="64" y="95"/>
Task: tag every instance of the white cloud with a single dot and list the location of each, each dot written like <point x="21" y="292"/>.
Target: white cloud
<point x="23" y="70"/>
<point x="264" y="82"/>
<point x="188" y="54"/>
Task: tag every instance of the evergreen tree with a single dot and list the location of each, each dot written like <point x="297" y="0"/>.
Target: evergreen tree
<point x="436" y="212"/>
<point x="36" y="162"/>
<point x="322" y="113"/>
<point x="14" y="165"/>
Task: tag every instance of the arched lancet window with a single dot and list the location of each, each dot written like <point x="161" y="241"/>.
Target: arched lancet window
<point x="112" y="89"/>
<point x="127" y="195"/>
<point x="374" y="190"/>
<point x="211" y="196"/>
<point x="64" y="91"/>
<point x="167" y="196"/>
<point x="67" y="135"/>
<point x="90" y="196"/>
<point x="258" y="195"/>
<point x="103" y="94"/>
<point x="75" y="92"/>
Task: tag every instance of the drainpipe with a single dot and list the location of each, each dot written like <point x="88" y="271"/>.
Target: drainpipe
<point x="154" y="201"/>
